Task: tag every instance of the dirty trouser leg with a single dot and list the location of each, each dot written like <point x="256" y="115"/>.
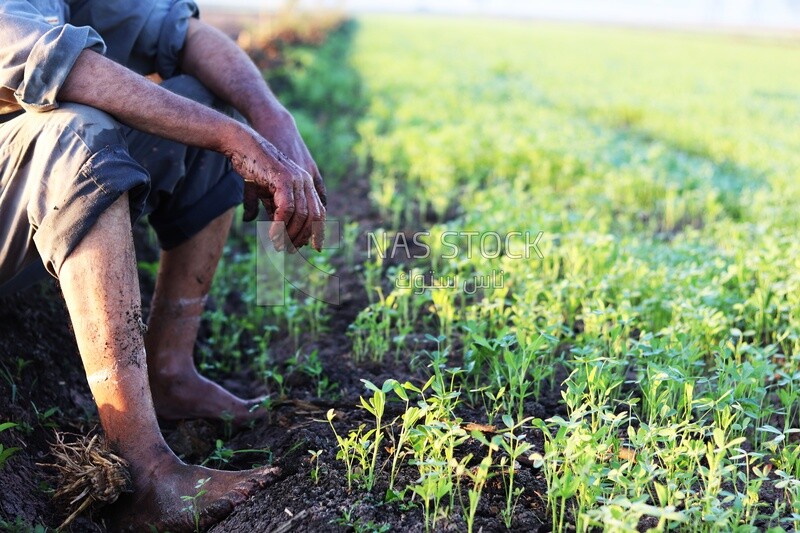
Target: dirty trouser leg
<point x="58" y="172"/>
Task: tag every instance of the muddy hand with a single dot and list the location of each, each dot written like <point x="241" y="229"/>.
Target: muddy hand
<point x="280" y="129"/>
<point x="287" y="192"/>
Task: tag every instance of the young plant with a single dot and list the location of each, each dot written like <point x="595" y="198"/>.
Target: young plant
<point x="432" y="486"/>
<point x="12" y="378"/>
<point x="411" y="415"/>
<point x="311" y="365"/>
<point x="6" y="453"/>
<point x="193" y="502"/>
<point x="443" y="300"/>
<point x="274" y="376"/>
<point x="375" y="406"/>
<point x="478" y="477"/>
<point x="351" y="452"/>
<point x="222" y="455"/>
<point x="371" y="334"/>
<point x="315" y="465"/>
<point x="515" y="446"/>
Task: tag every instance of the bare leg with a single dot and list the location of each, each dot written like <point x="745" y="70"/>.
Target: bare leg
<point x="184" y="279"/>
<point x="102" y="294"/>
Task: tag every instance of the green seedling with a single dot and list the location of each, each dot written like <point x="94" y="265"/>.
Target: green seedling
<point x="315" y="465"/>
<point x="222" y="455"/>
<point x="477" y="476"/>
<point x="15" y="376"/>
<point x="273" y="377"/>
<point x="6" y="453"/>
<point x="433" y="485"/>
<point x="375" y="406"/>
<point x="193" y="502"/>
<point x="371" y="334"/>
<point x="411" y="415"/>
<point x="353" y="450"/>
<point x="514" y="445"/>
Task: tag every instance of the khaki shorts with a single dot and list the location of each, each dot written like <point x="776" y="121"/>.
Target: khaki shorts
<point x="61" y="169"/>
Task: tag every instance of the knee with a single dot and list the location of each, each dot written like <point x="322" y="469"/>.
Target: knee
<point x="94" y="128"/>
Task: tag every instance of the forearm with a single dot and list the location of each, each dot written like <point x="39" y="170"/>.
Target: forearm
<point x="274" y="178"/>
<point x="141" y="104"/>
<point x="223" y="67"/>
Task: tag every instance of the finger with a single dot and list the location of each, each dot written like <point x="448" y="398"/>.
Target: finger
<point x="319" y="185"/>
<point x="314" y="207"/>
<point x="318" y="225"/>
<point x="250" y="202"/>
<point x="283" y="198"/>
<point x="299" y="217"/>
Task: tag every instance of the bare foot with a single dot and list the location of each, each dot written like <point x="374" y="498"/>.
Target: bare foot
<point x="187" y="394"/>
<point x="175" y="497"/>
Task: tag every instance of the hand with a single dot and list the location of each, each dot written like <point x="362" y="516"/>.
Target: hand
<point x="286" y="190"/>
<point x="280" y="129"/>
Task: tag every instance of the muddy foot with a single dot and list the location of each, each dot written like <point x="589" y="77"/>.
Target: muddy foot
<point x="185" y="498"/>
<point x="190" y="395"/>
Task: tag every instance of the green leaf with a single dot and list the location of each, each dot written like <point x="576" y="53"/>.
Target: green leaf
<point x="366" y="405"/>
<point x="719" y="437"/>
<point x="400" y="391"/>
<point x="370" y="385"/>
<point x="6" y="453"/>
<point x="410" y="386"/>
<point x="393" y="496"/>
<point x="478" y="436"/>
<point x="378" y="402"/>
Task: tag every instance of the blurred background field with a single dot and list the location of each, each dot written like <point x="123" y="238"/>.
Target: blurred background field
<point x="706" y="14"/>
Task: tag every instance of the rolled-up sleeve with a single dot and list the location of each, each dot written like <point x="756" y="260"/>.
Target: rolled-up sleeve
<point x="165" y="35"/>
<point x="146" y="36"/>
<point x="36" y="57"/>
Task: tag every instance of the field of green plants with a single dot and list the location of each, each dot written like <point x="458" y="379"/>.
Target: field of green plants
<point x="663" y="170"/>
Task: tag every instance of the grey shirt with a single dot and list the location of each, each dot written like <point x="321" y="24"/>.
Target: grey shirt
<point x="41" y="39"/>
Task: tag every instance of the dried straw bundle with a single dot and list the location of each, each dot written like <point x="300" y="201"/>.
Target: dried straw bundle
<point x="90" y="475"/>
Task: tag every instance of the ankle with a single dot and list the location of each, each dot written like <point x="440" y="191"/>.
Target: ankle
<point x="172" y="308"/>
<point x="171" y="373"/>
<point x="150" y="462"/>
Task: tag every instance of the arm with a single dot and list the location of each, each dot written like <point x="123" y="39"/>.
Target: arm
<point x="223" y="67"/>
<point x="101" y="83"/>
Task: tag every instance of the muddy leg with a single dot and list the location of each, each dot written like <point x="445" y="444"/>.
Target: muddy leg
<point x="184" y="278"/>
<point x="102" y="294"/>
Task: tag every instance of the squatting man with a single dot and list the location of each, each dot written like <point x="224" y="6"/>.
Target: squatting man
<point x="87" y="146"/>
